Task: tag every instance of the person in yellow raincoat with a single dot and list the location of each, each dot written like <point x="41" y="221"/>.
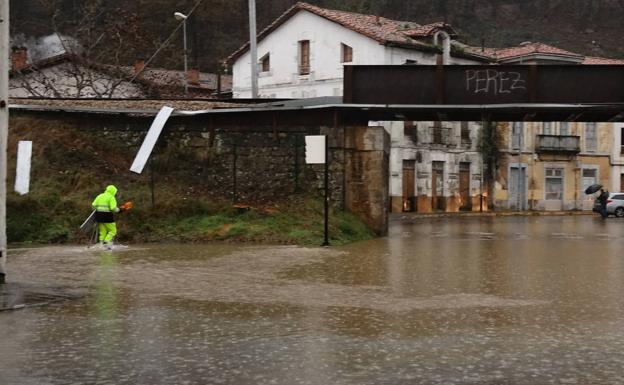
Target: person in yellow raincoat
<point x="105" y="205"/>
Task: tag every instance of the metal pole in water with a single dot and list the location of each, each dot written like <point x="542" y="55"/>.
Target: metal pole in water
<point x="4" y="128"/>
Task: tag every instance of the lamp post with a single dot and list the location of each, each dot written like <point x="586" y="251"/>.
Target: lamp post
<point x="182" y="17"/>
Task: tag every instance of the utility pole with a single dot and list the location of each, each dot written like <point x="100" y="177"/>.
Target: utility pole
<point x="253" y="49"/>
<point x="4" y="128"/>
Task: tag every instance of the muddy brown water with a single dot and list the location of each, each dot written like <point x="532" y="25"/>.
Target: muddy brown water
<point x="511" y="300"/>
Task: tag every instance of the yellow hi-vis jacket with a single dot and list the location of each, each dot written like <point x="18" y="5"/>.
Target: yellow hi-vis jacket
<point x="105" y="205"/>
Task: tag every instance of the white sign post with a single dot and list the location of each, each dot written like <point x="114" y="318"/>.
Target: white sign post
<point x="22" y="172"/>
<point x="316" y="153"/>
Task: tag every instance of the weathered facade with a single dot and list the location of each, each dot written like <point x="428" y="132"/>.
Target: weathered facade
<point x="436" y="166"/>
<point x="547" y="166"/>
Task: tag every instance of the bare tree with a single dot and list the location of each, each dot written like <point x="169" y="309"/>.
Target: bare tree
<point x="95" y="45"/>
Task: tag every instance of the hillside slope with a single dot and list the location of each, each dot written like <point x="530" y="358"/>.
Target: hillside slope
<point x="219" y="27"/>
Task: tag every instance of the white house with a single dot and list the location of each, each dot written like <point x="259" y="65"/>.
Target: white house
<point x="302" y="53"/>
<point x="433" y="165"/>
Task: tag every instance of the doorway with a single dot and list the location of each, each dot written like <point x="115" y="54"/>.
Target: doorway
<point x="437" y="187"/>
<point x="464" y="187"/>
<point x="517" y="187"/>
<point x="409" y="198"/>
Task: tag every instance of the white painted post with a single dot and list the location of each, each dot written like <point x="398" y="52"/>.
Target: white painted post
<point x="253" y="49"/>
<point x="22" y="171"/>
<point x="4" y="128"/>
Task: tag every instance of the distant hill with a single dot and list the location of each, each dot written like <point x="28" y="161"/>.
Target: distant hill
<point x="218" y="27"/>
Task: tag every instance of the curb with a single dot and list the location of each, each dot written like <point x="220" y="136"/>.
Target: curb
<point x="404" y="216"/>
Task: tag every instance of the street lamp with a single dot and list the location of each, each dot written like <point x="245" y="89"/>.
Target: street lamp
<point x="182" y="17"/>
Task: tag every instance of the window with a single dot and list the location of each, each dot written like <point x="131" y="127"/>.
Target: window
<point x="547" y="128"/>
<point x="618" y="197"/>
<point x="410" y="130"/>
<point x="437" y="133"/>
<point x="554" y="184"/>
<point x="516" y="135"/>
<point x="304" y="57"/>
<point x="265" y="63"/>
<point x="622" y="140"/>
<point x="589" y="177"/>
<point x="346" y="53"/>
<point x="591" y="142"/>
<point x="465" y="134"/>
<point x="564" y="128"/>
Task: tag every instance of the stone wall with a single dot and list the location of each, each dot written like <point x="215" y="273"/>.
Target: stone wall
<point x="366" y="174"/>
<point x="251" y="164"/>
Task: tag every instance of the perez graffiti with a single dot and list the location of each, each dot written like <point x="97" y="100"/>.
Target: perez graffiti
<point x="490" y="81"/>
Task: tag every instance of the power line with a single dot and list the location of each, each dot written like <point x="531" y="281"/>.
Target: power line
<point x="166" y="41"/>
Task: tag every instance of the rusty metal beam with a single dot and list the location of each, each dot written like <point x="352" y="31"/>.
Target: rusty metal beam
<point x="475" y="84"/>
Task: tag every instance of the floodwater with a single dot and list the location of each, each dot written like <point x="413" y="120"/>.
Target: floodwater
<point x="494" y="300"/>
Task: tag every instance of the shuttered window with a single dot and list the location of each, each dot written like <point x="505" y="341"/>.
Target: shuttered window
<point x="304" y="57"/>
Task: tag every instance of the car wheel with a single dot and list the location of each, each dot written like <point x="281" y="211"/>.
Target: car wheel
<point x="619" y="212"/>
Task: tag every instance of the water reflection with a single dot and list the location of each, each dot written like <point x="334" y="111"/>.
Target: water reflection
<point x="470" y="300"/>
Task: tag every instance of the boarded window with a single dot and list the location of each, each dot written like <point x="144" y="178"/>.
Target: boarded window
<point x="265" y="63"/>
<point x="591" y="141"/>
<point x="410" y="130"/>
<point x="304" y="57"/>
<point x="347" y="53"/>
<point x="554" y="184"/>
<point x="516" y="135"/>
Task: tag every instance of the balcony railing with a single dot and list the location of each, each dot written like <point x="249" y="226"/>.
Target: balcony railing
<point x="567" y="144"/>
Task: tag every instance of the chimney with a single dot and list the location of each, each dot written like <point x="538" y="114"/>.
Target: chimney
<point x="139" y="65"/>
<point x="19" y="58"/>
<point x="192" y="76"/>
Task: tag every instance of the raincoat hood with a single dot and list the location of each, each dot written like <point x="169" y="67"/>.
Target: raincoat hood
<point x="111" y="189"/>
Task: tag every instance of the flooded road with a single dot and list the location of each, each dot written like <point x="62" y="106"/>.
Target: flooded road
<point x="494" y="300"/>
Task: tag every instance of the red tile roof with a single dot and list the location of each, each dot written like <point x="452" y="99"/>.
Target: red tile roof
<point x="601" y="60"/>
<point x="381" y="29"/>
<point x="430" y="29"/>
<point x="528" y="49"/>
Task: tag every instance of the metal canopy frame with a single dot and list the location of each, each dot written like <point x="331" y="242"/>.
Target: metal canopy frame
<point x="358" y="114"/>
